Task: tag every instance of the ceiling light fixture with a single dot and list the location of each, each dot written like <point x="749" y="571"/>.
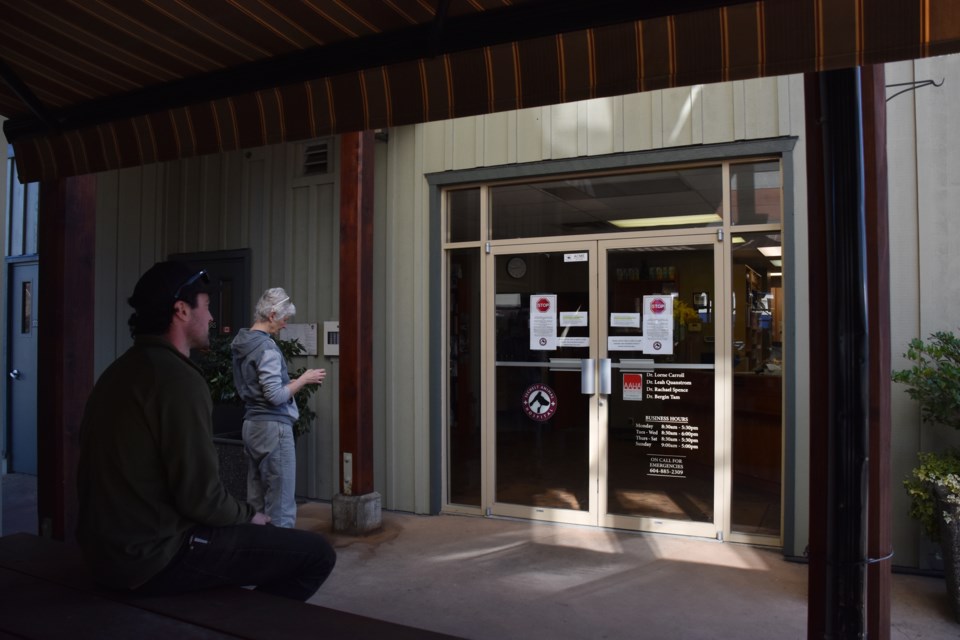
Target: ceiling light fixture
<point x="667" y="221"/>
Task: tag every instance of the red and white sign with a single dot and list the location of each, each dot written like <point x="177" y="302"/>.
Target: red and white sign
<point x="539" y="402"/>
<point x="633" y="386"/>
<point x="543" y="322"/>
<point x="658" y="324"/>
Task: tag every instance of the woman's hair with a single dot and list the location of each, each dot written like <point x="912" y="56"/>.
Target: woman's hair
<point x="276" y="301"/>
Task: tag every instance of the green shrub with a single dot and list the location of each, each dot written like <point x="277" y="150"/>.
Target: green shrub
<point x="934" y="382"/>
<point x="934" y="470"/>
<point x="934" y="378"/>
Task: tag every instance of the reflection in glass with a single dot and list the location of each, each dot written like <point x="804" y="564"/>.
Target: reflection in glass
<point x="542" y="453"/>
<point x="225" y="320"/>
<point x="463" y="215"/>
<point x="574" y="206"/>
<point x="756" y="193"/>
<point x="660" y="444"/>
<point x="26" y="307"/>
<point x="463" y="390"/>
<point x="757" y="384"/>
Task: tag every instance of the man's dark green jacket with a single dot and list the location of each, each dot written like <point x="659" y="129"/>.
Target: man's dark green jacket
<point x="148" y="469"/>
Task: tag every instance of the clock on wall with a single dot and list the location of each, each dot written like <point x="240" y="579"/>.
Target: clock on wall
<point x="516" y="267"/>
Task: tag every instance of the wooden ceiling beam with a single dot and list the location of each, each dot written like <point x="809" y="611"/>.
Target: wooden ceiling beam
<point x="450" y="34"/>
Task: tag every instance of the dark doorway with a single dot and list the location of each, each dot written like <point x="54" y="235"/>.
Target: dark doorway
<point x="229" y="273"/>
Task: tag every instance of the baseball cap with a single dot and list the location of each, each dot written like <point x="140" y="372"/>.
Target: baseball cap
<point x="166" y="282"/>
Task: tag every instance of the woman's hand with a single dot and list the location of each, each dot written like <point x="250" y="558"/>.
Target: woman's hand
<point x="310" y="376"/>
<point x="314" y="376"/>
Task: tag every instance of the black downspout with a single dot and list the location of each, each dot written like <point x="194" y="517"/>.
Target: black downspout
<point x="847" y="352"/>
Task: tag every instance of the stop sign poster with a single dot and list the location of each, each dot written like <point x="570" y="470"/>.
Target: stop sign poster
<point x="543" y="322"/>
<point x="658" y="324"/>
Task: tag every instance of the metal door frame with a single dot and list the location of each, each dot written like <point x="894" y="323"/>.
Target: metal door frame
<point x="722" y="395"/>
<point x="595" y="515"/>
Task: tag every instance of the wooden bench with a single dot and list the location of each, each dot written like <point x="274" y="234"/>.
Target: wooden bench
<point x="46" y="592"/>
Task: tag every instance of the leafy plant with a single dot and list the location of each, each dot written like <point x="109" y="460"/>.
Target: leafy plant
<point x="934" y="382"/>
<point x="216" y="362"/>
<point x="934" y="471"/>
<point x="934" y="379"/>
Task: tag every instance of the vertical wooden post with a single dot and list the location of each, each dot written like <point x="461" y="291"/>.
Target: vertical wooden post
<point x="65" y="346"/>
<point x="843" y="547"/>
<point x="819" y="371"/>
<point x="879" y="534"/>
<point x="356" y="506"/>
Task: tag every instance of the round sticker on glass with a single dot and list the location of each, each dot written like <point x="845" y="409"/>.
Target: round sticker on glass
<point x="539" y="402"/>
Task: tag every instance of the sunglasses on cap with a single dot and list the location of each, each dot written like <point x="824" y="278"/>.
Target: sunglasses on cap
<point x="189" y="281"/>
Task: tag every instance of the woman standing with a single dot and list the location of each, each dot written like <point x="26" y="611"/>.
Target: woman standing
<point x="260" y="375"/>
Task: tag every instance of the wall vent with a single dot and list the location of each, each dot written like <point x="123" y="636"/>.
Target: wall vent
<point x="316" y="158"/>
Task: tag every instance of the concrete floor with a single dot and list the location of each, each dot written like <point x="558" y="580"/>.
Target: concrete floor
<point x="494" y="578"/>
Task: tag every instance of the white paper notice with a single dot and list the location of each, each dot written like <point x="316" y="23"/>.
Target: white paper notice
<point x="658" y="324"/>
<point x="626" y="343"/>
<point x="573" y="319"/>
<point x="305" y="333"/>
<point x="543" y="322"/>
<point x="564" y="341"/>
<point x="625" y="320"/>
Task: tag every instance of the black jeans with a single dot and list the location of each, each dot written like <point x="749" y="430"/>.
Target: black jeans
<point x="285" y="562"/>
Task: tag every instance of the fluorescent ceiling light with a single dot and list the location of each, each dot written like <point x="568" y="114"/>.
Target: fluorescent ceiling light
<point x="777" y="263"/>
<point x="667" y="221"/>
<point x="775" y="274"/>
<point x="737" y="240"/>
<point x="771" y="252"/>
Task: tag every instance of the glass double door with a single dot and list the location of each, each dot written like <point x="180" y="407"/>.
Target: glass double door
<point x="607" y="399"/>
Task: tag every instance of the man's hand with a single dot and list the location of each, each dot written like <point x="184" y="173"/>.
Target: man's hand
<point x="260" y="518"/>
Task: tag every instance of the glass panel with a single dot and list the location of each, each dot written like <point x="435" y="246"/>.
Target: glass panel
<point x="756" y="194"/>
<point x="661" y="422"/>
<point x="542" y="419"/>
<point x="657" y="199"/>
<point x="31" y="218"/>
<point x="757" y="384"/>
<point x="26" y="307"/>
<point x="463" y="390"/>
<point x="463" y="215"/>
<point x="15" y="211"/>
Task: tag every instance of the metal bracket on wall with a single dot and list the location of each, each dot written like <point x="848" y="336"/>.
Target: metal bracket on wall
<point x="912" y="86"/>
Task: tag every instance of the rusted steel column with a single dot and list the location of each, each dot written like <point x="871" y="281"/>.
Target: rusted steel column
<point x="67" y="211"/>
<point x="352" y="510"/>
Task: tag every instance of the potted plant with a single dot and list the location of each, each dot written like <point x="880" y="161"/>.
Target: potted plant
<point x="934" y="484"/>
<point x="216" y="362"/>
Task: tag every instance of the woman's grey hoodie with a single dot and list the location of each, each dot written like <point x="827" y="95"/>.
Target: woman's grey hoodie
<point x="260" y="375"/>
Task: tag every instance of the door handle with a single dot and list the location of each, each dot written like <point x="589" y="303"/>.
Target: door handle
<point x="587" y="386"/>
<point x="15" y="374"/>
<point x="606" y="383"/>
